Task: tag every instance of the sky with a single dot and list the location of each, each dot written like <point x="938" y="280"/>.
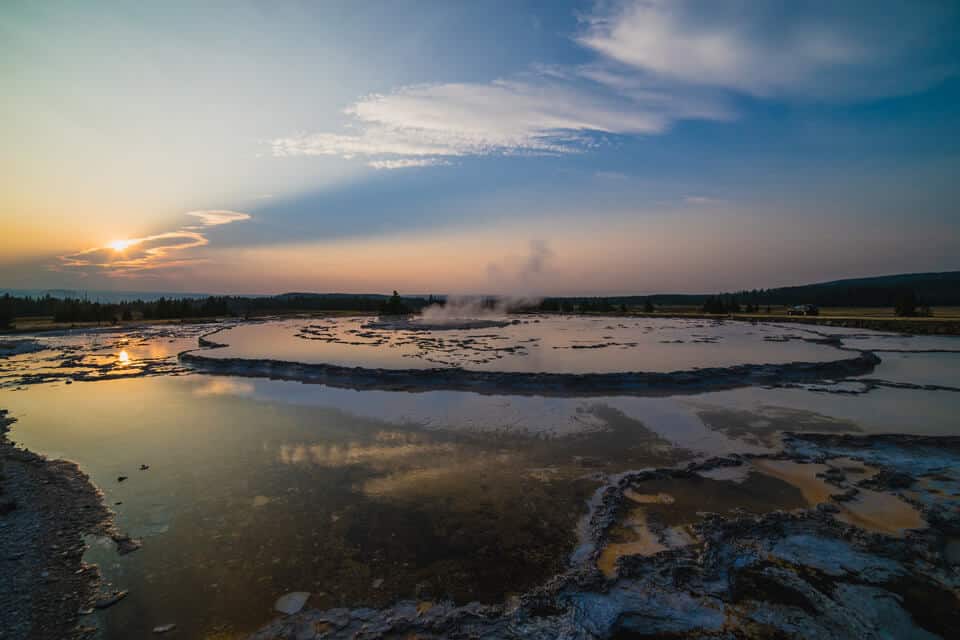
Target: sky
<point x="497" y="147"/>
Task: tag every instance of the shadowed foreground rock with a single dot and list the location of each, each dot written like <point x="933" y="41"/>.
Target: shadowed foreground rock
<point x="795" y="575"/>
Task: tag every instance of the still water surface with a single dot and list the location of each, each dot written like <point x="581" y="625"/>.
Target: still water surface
<point x="256" y="487"/>
<point x="532" y="344"/>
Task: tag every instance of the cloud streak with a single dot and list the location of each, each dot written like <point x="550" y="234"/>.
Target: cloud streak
<point x="216" y="217"/>
<point x="407" y="163"/>
<point x="131" y="257"/>
<point x="548" y="112"/>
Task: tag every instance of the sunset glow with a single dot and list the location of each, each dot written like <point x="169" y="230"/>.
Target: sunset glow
<point x="637" y="142"/>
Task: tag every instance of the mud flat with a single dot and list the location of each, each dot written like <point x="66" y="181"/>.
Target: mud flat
<point x="743" y="568"/>
<point x="416" y="324"/>
<point x="96" y="354"/>
<point x="46" y="507"/>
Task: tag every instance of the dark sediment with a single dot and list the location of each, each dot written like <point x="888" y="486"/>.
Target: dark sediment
<point x="417" y="324"/>
<point x="522" y="383"/>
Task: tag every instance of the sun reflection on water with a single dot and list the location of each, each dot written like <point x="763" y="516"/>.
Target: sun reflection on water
<point x="123" y="358"/>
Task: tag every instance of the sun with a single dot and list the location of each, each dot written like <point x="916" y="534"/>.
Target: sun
<point x="120" y="245"/>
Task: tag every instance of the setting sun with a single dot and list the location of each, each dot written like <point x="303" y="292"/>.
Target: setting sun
<point x="120" y="245"/>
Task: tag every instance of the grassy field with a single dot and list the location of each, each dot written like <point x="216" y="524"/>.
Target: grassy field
<point x="939" y="313"/>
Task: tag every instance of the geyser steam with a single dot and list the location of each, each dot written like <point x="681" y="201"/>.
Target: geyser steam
<point x="514" y="274"/>
<point x="464" y="308"/>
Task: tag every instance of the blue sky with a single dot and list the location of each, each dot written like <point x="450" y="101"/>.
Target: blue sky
<point x="497" y="147"/>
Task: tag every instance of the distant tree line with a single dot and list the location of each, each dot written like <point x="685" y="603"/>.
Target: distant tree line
<point x="578" y="305"/>
<point x="6" y="311"/>
<point x="844" y="296"/>
<point x="721" y="304"/>
<point x="594" y="305"/>
<point x="80" y="310"/>
<point x="910" y="295"/>
<point x="83" y="310"/>
<point x="728" y="303"/>
<point x="395" y="306"/>
<point x="904" y="300"/>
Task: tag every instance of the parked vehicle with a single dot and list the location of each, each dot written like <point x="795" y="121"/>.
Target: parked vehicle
<point x="804" y="310"/>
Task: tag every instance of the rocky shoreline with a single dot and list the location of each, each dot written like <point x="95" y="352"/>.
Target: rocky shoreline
<point x="46" y="509"/>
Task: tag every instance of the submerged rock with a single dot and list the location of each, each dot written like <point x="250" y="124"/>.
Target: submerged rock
<point x="110" y="600"/>
<point x="126" y="544"/>
<point x="292" y="602"/>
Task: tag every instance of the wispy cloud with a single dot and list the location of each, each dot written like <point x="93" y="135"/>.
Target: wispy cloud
<point x="818" y="51"/>
<point x="546" y="112"/>
<point x="127" y="257"/>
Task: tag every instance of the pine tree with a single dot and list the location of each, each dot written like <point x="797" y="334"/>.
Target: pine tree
<point x="906" y="303"/>
<point x="394" y="306"/>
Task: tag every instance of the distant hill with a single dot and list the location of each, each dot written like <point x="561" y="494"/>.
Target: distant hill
<point x="934" y="289"/>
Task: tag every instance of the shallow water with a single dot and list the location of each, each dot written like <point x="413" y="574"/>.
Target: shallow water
<point x="534" y="344"/>
<point x="941" y="369"/>
<point x="247" y="499"/>
<point x="258" y="487"/>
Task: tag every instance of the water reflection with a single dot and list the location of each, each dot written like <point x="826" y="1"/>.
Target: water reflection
<point x="246" y="499"/>
<point x="353" y="453"/>
<point x="223" y="387"/>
